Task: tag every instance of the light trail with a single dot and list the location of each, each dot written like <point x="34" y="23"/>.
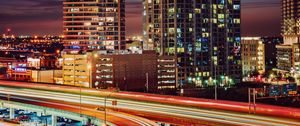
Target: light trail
<point x="194" y="113"/>
<point x="125" y="117"/>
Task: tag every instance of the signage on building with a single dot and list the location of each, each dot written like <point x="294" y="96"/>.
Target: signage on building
<point x="20" y="69"/>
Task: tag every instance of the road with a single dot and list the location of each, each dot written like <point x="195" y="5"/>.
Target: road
<point x="197" y="115"/>
<point x="113" y="118"/>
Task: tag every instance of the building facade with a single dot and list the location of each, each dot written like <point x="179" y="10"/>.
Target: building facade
<point x="290" y="21"/>
<point x="94" y="25"/>
<point x="125" y="71"/>
<point x="46" y="76"/>
<point x="203" y="35"/>
<point x="253" y="55"/>
<point x="167" y="73"/>
<point x="296" y="56"/>
<point x="142" y="71"/>
<point x="287" y="53"/>
<point x="271" y="51"/>
<point x="284" y="57"/>
<point x="76" y="70"/>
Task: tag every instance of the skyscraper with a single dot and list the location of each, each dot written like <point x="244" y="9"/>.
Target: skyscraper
<point x="287" y="54"/>
<point x="203" y="35"/>
<point x="290" y="21"/>
<point x="94" y="25"/>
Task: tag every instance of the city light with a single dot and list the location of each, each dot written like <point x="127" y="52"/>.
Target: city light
<point x="150" y="62"/>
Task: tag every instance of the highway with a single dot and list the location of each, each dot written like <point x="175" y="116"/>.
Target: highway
<point x="113" y="118"/>
<point x="145" y="108"/>
<point x="262" y="109"/>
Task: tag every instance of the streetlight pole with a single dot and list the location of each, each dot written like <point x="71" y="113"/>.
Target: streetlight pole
<point x="215" y="80"/>
<point x="53" y="75"/>
<point x="216" y="89"/>
<point x="125" y="76"/>
<point x="105" y="112"/>
<point x="80" y="100"/>
<point x="147" y="82"/>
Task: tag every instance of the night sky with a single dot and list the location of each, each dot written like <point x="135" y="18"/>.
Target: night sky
<point x="40" y="17"/>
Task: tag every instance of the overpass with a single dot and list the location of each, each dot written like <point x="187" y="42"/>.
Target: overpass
<point x="169" y="109"/>
<point x="48" y="111"/>
<point x="57" y="109"/>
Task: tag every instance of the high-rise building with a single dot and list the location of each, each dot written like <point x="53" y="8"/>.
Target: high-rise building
<point x="203" y="35"/>
<point x="291" y="21"/>
<point x="253" y="55"/>
<point x="286" y="55"/>
<point x="94" y="24"/>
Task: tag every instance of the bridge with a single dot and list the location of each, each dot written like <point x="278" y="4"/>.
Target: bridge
<point x="48" y="111"/>
<point x="86" y="116"/>
<point x="159" y="108"/>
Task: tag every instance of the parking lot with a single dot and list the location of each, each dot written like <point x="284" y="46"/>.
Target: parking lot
<point x="28" y="118"/>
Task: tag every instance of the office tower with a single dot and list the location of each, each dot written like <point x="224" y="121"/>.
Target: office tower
<point x="290" y="21"/>
<point x="253" y="56"/>
<point x="94" y="25"/>
<point x="203" y="35"/>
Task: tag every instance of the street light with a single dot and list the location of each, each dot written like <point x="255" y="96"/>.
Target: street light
<point x="57" y="52"/>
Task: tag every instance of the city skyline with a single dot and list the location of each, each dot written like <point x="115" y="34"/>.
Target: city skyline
<point x="40" y="17"/>
<point x="149" y="62"/>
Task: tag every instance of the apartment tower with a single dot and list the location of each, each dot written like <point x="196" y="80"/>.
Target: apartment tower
<point x="203" y="35"/>
<point x="286" y="55"/>
<point x="90" y="25"/>
<point x="94" y="25"/>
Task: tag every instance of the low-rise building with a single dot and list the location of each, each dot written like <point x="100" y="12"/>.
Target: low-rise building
<point x="77" y="69"/>
<point x="142" y="71"/>
<point x="284" y="57"/>
<point x="253" y="55"/>
<point x="125" y="70"/>
<point x="46" y="76"/>
<point x="288" y="55"/>
<point x="15" y="69"/>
